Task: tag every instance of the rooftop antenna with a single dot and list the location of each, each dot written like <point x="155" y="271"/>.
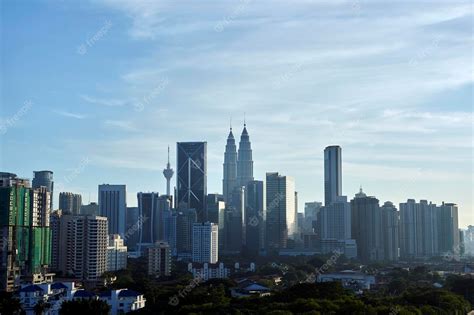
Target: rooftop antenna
<point x="244" y="120"/>
<point x="230" y="122"/>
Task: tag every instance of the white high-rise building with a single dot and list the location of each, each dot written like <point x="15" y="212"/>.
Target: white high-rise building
<point x="116" y="253"/>
<point x="83" y="247"/>
<point x="205" y="243"/>
<point x="280" y="193"/>
<point x="113" y="205"/>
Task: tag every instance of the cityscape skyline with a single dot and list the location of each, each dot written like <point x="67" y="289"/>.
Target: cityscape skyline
<point x="398" y="102"/>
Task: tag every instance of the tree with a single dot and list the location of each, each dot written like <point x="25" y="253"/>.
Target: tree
<point x="9" y="304"/>
<point x="84" y="306"/>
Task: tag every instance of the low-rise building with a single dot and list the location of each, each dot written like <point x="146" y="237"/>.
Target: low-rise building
<point x="349" y="279"/>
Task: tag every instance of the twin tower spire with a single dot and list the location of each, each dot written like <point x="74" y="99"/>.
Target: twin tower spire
<point x="238" y="167"/>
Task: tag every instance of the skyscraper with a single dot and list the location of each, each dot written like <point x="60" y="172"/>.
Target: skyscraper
<point x="205" y="243"/>
<point x="366" y="226"/>
<point x="14" y="228"/>
<point x="113" y="205"/>
<point x="191" y="178"/>
<point x="280" y="193"/>
<point x="44" y="178"/>
<point x="229" y="181"/>
<point x="332" y="173"/>
<point x="151" y="207"/>
<point x="168" y="173"/>
<point x="255" y="216"/>
<point x="70" y="203"/>
<point x="334" y="221"/>
<point x="244" y="159"/>
<point x="215" y="207"/>
<point x="418" y="229"/>
<point x="390" y="230"/>
<point x="25" y="236"/>
<point x="448" y="238"/>
<point x="83" y="248"/>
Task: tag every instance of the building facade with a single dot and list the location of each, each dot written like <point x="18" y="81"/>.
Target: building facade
<point x="113" y="205"/>
<point x="70" y="203"/>
<point x="191" y="180"/>
<point x="205" y="243"/>
<point x="280" y="204"/>
<point x="332" y="173"/>
<point x="159" y="259"/>
<point x="116" y="253"/>
<point x="44" y="178"/>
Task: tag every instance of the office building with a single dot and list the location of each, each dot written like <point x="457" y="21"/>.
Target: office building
<point x="44" y="178"/>
<point x="244" y="159"/>
<point x="280" y="203"/>
<point x="151" y="207"/>
<point x="191" y="180"/>
<point x="116" y="253"/>
<point x="184" y="232"/>
<point x="366" y="227"/>
<point x="113" y="205"/>
<point x="55" y="225"/>
<point x="90" y="209"/>
<point x="229" y="182"/>
<point x="332" y="173"/>
<point x="205" y="243"/>
<point x="390" y="230"/>
<point x="311" y="210"/>
<point x="159" y="259"/>
<point x="133" y="224"/>
<point x="255" y="201"/>
<point x="70" y="203"/>
<point x="215" y="207"/>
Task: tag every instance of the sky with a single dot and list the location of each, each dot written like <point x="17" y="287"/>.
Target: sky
<point x="96" y="90"/>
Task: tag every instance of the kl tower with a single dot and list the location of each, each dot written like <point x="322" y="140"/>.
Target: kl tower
<point x="168" y="173"/>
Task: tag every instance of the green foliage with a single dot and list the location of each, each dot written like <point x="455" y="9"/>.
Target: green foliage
<point x="84" y="306"/>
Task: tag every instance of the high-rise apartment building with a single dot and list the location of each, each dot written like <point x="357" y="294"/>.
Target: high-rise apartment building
<point x="159" y="259"/>
<point x="390" y="230"/>
<point x="113" y="205"/>
<point x="334" y="221"/>
<point x="205" y="243"/>
<point x="83" y="247"/>
<point x="366" y="227"/>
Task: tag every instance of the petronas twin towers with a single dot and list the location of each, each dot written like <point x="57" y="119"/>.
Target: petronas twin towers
<point x="238" y="167"/>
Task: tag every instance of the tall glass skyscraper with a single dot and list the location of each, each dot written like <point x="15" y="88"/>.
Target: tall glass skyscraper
<point x="44" y="178"/>
<point x="244" y="160"/>
<point x="191" y="181"/>
<point x="229" y="182"/>
<point x="332" y="174"/>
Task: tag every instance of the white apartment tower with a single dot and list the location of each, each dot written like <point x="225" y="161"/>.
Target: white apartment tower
<point x="205" y="243"/>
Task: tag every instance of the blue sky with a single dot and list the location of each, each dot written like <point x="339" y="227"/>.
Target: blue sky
<point x="96" y="90"/>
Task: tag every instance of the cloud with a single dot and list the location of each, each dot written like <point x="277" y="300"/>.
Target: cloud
<point x="104" y="101"/>
<point x="69" y="114"/>
<point x="120" y="124"/>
